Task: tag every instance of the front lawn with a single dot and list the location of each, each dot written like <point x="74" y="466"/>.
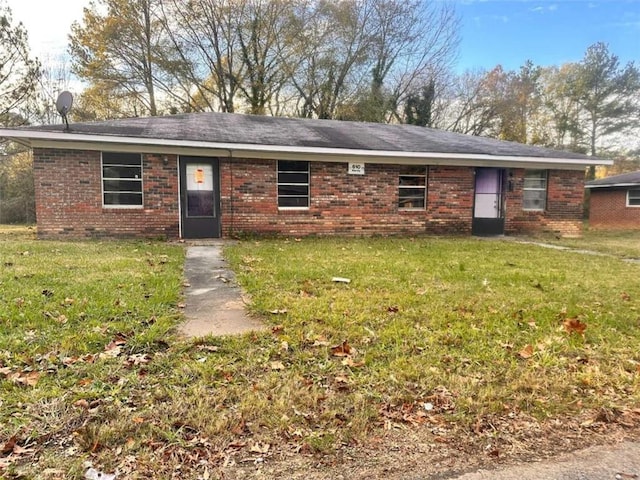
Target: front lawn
<point x="446" y="336"/>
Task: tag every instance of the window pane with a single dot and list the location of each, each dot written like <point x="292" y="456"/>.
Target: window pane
<point x="122" y="178"/>
<point x="133" y="199"/>
<point x="534" y="195"/>
<point x="293" y="190"/>
<point x="535" y="183"/>
<point x="634" y="198"/>
<point x="116" y="171"/>
<point x="412" y="187"/>
<point x="411" y="202"/>
<point x="292" y="166"/>
<point x="412" y="180"/>
<point x="293" y="184"/>
<point x="408" y="170"/>
<point x="293" y="201"/>
<point x="534" y="199"/>
<point x="293" y="177"/>
<point x="120" y="158"/>
<point x="123" y="185"/>
<point x="200" y="203"/>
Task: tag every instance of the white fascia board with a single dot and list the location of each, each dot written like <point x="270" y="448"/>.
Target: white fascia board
<point x="69" y="140"/>
<point x="618" y="185"/>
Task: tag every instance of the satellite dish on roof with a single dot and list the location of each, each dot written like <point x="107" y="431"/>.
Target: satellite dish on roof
<point x="63" y="105"/>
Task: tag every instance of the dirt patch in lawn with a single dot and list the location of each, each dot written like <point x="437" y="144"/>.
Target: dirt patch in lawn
<point x="412" y="453"/>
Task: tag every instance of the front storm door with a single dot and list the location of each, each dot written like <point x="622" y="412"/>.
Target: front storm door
<point x="488" y="207"/>
<point x="200" y="197"/>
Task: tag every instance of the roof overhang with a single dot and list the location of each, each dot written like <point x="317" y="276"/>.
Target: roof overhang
<point x="76" y="141"/>
<point x="615" y="185"/>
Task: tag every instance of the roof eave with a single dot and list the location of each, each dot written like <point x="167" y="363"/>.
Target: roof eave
<point x="70" y="140"/>
<point x="614" y="185"/>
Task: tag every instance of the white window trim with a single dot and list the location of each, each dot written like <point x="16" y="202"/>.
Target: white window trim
<point x="423" y="187"/>
<point x="545" y="189"/>
<point x="102" y="191"/>
<point x="629" y="195"/>
<point x="308" y="184"/>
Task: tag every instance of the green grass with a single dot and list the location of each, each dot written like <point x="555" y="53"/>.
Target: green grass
<point x="622" y="243"/>
<point x="434" y="326"/>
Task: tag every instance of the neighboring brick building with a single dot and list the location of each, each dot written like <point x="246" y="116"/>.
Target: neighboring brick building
<point x="615" y="202"/>
<point x="221" y="175"/>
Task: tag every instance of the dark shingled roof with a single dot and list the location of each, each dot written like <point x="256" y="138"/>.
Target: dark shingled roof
<point x="296" y="132"/>
<point x="625" y="179"/>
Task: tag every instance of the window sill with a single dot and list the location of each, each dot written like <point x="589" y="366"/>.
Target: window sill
<point x="122" y="207"/>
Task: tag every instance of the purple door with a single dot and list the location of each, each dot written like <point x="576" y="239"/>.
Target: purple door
<point x="488" y="205"/>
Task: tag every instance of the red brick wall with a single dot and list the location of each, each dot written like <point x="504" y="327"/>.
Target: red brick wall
<point x="341" y="203"/>
<point x="563" y="212"/>
<point x="69" y="198"/>
<point x="608" y="209"/>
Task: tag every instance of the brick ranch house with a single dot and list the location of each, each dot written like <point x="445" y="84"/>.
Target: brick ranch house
<point x="220" y="175"/>
<point x="615" y="202"/>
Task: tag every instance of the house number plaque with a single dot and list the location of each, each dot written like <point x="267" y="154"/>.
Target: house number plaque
<point x="356" y="168"/>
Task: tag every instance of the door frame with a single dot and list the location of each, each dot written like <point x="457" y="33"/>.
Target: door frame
<point x="199" y="227"/>
<point x="482" y="226"/>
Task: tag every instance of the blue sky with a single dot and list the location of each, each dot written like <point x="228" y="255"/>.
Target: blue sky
<point x="508" y="32"/>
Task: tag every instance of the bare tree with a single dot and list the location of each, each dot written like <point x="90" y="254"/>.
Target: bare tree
<point x="19" y="73"/>
<point x="120" y="50"/>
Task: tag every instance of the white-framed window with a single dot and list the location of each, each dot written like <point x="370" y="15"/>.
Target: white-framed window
<point x="534" y="190"/>
<point x="633" y="198"/>
<point x="293" y="184"/>
<point x="412" y="188"/>
<point x="121" y="180"/>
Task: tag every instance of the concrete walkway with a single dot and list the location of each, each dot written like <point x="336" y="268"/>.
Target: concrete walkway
<point x="214" y="304"/>
<point x="616" y="462"/>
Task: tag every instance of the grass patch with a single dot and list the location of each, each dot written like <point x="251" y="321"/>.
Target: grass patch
<point x="447" y="333"/>
<point x="621" y="243"/>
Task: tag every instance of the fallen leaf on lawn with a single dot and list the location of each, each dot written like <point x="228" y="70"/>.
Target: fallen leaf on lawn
<point x="342" y="350"/>
<point x="82" y="403"/>
<point x="625" y="296"/>
<point x="259" y="447"/>
<point x="320" y="341"/>
<point x="574" y="325"/>
<point x="25" y="378"/>
<point x="137" y="420"/>
<point x="114" y="347"/>
<point x="62" y="319"/>
<point x="69" y="301"/>
<point x="392" y="309"/>
<point x="526" y="352"/>
<point x="181" y="305"/>
<point x="138" y="359"/>
<point x="277" y="365"/>
<point x="277" y="329"/>
<point x="350" y="362"/>
<point x="209" y="348"/>
<point x="341" y="379"/>
<point x="284" y="346"/>
<point x="8" y="445"/>
<point x="278" y="311"/>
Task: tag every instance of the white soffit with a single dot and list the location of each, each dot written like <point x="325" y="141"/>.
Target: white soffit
<point x="67" y="140"/>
